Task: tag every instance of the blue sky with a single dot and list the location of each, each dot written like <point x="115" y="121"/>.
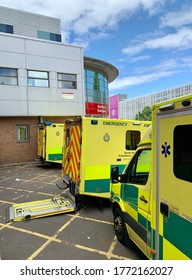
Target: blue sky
<point x="149" y="41"/>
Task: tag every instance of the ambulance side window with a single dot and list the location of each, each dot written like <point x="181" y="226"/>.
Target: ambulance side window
<point x="182" y="152"/>
<point x="132" y="139"/>
<point x="139" y="167"/>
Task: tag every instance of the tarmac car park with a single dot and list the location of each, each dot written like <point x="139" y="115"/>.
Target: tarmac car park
<point x="87" y="233"/>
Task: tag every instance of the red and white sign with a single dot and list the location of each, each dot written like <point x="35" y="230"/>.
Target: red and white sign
<point x="67" y="95"/>
<point x="96" y="109"/>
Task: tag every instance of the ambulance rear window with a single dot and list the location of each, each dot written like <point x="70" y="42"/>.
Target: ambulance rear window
<point x="182" y="157"/>
<point x="132" y="139"/>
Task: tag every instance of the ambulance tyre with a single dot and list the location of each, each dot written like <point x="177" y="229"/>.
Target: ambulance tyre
<point x="120" y="228"/>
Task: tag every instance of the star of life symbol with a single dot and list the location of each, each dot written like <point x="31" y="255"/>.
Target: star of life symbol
<point x="165" y="150"/>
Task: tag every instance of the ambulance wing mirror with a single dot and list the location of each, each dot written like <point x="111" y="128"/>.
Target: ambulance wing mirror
<point x="116" y="177"/>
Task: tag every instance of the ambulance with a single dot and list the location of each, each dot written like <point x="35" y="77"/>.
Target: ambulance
<point x="151" y="198"/>
<point x="92" y="146"/>
<point x="50" y="142"/>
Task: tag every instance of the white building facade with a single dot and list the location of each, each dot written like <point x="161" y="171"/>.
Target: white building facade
<point x="40" y="78"/>
<point x="130" y="107"/>
<point x="43" y="80"/>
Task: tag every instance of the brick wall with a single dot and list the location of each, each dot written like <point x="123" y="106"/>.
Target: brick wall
<point x="12" y="151"/>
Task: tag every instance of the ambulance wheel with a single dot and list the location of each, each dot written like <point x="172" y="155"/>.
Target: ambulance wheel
<point x="120" y="228"/>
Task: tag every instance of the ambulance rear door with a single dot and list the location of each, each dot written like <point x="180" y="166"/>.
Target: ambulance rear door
<point x="41" y="142"/>
<point x="173" y="177"/>
<point x="72" y="150"/>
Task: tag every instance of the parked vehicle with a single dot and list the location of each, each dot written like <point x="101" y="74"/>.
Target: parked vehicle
<point x="151" y="198"/>
<point x="50" y="142"/>
<point x="92" y="146"/>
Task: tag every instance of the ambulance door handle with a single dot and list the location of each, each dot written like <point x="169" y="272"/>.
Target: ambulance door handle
<point x="142" y="198"/>
<point x="164" y="208"/>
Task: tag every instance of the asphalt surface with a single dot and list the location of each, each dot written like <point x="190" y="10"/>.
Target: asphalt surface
<point x="86" y="234"/>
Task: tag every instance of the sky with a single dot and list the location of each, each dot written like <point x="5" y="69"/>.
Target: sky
<point x="148" y="41"/>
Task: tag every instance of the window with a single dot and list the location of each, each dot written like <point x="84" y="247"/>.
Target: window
<point x="6" y="28"/>
<point x="138" y="169"/>
<point x="96" y="87"/>
<point x="67" y="80"/>
<point x="132" y="139"/>
<point x="22" y="133"/>
<point x="48" y="36"/>
<point x="38" y="79"/>
<point x="8" y="76"/>
<point x="182" y="154"/>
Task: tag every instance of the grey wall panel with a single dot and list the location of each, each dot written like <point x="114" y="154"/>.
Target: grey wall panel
<point x="16" y="107"/>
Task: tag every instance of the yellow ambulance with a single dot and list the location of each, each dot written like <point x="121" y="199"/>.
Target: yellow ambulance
<point x="92" y="146"/>
<point x="151" y="198"/>
<point x="50" y="142"/>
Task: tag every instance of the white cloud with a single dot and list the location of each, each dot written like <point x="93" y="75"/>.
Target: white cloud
<point x="139" y="58"/>
<point x="180" y="40"/>
<point x="139" y="79"/>
<point x="146" y="74"/>
<point x="81" y="16"/>
<point x="177" y="19"/>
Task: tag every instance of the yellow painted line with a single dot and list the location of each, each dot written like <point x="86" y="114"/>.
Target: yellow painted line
<point x="20" y="196"/>
<point x="100" y="252"/>
<point x="94" y="220"/>
<point x="4" y="201"/>
<point x="38" y="251"/>
<point x="35" y="178"/>
<point x="29" y="232"/>
<point x="112" y="247"/>
<point x="5" y="179"/>
<point x="49" y="194"/>
<point x="54" y="238"/>
<point x="59" y="178"/>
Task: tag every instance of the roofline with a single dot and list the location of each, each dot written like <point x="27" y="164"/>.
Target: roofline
<point x="105" y="68"/>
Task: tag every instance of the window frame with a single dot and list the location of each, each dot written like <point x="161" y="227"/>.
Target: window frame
<point x="131" y="171"/>
<point x="64" y="78"/>
<point x="37" y="79"/>
<point x="27" y="133"/>
<point x="6" y="76"/>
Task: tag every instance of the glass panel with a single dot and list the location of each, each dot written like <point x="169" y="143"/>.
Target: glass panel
<point x="38" y="83"/>
<point x="38" y="74"/>
<point x="6" y="28"/>
<point x="101" y="77"/>
<point x="90" y="73"/>
<point x="8" y="81"/>
<point x="96" y="85"/>
<point x="139" y="167"/>
<point x="65" y="84"/>
<point x="38" y="79"/>
<point x="66" y="77"/>
<point x="8" y="72"/>
<point x="182" y="157"/>
<point x="89" y="86"/>
<point x="67" y="80"/>
<point x="132" y="139"/>
<point x="90" y="80"/>
<point x="22" y="133"/>
<point x="43" y="35"/>
<point x="48" y="36"/>
<point x="8" y="76"/>
<point x="143" y="167"/>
